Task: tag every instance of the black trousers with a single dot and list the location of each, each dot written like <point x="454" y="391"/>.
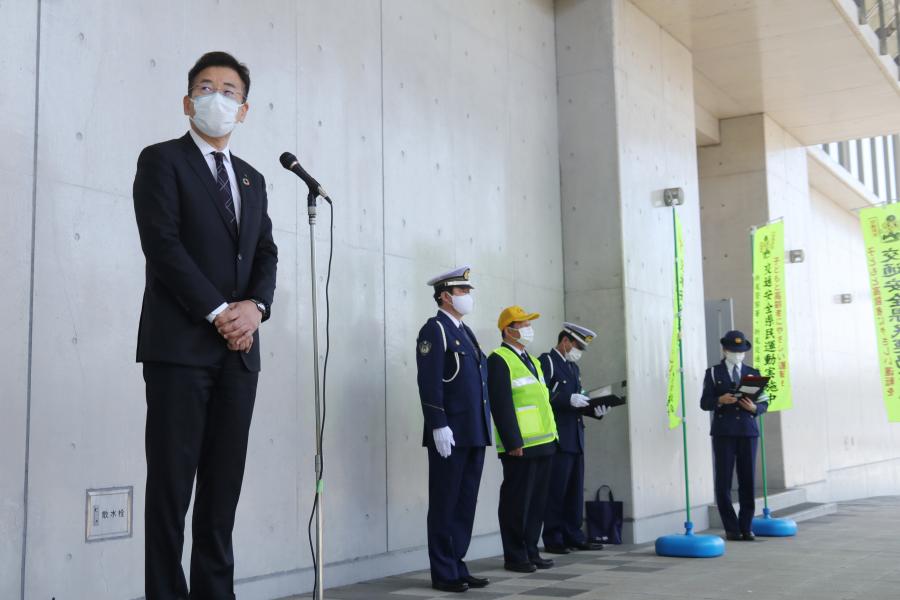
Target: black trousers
<point x="453" y="484"/>
<point x="730" y="452"/>
<point x="198" y="423"/>
<point x="523" y="499"/>
<point x="565" y="501"/>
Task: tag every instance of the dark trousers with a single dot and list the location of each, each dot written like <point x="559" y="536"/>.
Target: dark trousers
<point x="730" y="451"/>
<point x="565" y="501"/>
<point x="523" y="499"/>
<point x="198" y="422"/>
<point x="452" y="495"/>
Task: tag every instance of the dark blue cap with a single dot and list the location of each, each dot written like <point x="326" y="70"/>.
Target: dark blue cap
<point x="735" y="341"/>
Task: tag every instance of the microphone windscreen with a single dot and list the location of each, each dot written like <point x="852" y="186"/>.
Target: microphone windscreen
<point x="287" y="159"/>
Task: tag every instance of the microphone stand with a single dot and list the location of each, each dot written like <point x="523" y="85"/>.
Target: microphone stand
<point x="320" y="484"/>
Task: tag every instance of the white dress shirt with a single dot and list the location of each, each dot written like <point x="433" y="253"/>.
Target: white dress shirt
<point x="208" y="151"/>
<point x="456" y="321"/>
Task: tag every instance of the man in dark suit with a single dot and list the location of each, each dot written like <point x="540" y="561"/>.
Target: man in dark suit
<point x="734" y="432"/>
<point x="210" y="279"/>
<point x="565" y="499"/>
<point x="452" y="380"/>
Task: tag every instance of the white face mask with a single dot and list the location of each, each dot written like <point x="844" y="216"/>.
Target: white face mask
<point x="734" y="358"/>
<point x="463" y="304"/>
<point x="526" y="335"/>
<point x="573" y="355"/>
<point x="215" y="115"/>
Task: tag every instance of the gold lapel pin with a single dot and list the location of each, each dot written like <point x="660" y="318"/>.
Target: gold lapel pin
<point x="246" y="181"/>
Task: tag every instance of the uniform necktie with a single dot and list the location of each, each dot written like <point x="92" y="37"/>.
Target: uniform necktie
<point x="465" y="334"/>
<point x="735" y="376"/>
<point x="224" y="185"/>
<point x="528" y="363"/>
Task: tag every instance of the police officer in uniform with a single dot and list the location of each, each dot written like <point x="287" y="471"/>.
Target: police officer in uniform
<point x="452" y="379"/>
<point x="526" y="440"/>
<point x="565" y="501"/>
<point x="734" y="432"/>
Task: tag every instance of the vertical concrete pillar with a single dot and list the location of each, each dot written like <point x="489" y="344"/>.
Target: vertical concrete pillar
<point x="626" y="133"/>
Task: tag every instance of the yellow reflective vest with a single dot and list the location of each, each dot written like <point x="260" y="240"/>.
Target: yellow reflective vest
<point x="531" y="401"/>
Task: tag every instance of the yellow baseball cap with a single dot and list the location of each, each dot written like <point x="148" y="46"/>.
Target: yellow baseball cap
<point x="514" y="314"/>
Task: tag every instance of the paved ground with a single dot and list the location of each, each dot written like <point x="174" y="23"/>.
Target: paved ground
<point x="854" y="553"/>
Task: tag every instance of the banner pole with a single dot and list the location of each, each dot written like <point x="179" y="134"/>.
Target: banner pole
<point x="688" y="544"/>
<point x="762" y="417"/>
<point x="678" y="300"/>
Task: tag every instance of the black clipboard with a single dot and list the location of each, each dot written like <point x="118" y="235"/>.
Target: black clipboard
<point x="752" y="387"/>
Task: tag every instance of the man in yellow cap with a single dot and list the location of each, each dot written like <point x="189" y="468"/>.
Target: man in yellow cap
<point x="526" y="440"/>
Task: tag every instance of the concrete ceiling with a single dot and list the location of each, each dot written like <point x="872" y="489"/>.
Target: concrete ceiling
<point x="806" y="63"/>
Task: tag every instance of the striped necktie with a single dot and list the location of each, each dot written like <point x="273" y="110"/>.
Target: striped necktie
<point x="224" y="185"/>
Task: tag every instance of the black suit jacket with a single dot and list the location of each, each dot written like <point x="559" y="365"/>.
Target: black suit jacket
<point x="195" y="262"/>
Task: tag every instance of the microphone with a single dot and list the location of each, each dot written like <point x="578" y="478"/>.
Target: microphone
<point x="290" y="162"/>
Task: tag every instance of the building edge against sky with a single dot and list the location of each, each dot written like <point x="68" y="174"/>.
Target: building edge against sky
<point x="529" y="138"/>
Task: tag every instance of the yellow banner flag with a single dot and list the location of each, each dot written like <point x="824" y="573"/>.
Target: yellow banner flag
<point x="770" y="338"/>
<point x="673" y="399"/>
<point x="881" y="233"/>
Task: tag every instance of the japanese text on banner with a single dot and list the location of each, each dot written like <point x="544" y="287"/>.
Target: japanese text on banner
<point x="770" y="350"/>
<point x="881" y="233"/>
<point x="673" y="398"/>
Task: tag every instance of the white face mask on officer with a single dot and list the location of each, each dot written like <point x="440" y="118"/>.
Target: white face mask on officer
<point x="573" y="355"/>
<point x="734" y="358"/>
<point x="214" y="114"/>
<point x="463" y="304"/>
<point x="526" y="335"/>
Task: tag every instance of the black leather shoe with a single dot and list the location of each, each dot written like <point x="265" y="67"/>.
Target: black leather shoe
<point x="450" y="586"/>
<point x="734" y="537"/>
<point x="587" y="546"/>
<point x="556" y="549"/>
<point x="542" y="563"/>
<point x="520" y="567"/>
<point x="748" y="537"/>
<point x="476" y="582"/>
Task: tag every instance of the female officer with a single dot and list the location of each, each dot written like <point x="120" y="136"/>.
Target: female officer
<point x="734" y="432"/>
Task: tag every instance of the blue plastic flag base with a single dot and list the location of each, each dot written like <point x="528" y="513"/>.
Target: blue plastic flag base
<point x="768" y="526"/>
<point x="689" y="545"/>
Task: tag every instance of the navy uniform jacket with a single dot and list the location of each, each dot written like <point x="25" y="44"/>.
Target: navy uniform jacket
<point x="728" y="419"/>
<point x="452" y="378"/>
<point x="563" y="378"/>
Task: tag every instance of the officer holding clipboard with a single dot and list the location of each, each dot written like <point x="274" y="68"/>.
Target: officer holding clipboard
<point x="735" y="433"/>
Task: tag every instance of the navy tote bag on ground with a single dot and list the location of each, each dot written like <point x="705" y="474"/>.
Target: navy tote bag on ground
<point x="604" y="518"/>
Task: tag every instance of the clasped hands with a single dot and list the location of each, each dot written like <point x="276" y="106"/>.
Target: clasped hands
<point x="742" y="402"/>
<point x="237" y="324"/>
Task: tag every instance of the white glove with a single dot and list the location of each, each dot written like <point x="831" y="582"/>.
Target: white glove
<point x="443" y="439"/>
<point x="600" y="410"/>
<point x="579" y="401"/>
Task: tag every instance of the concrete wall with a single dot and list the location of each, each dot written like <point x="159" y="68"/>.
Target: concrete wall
<point x="627" y="133"/>
<point x="861" y="450"/>
<point x="433" y="125"/>
<point x="18" y="29"/>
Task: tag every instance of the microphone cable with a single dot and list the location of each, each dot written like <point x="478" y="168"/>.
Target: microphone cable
<point x="320" y="479"/>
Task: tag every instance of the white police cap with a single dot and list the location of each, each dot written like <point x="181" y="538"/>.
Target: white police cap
<point x="458" y="277"/>
<point x="582" y="334"/>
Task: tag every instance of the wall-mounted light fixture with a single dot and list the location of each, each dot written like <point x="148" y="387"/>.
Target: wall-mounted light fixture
<point x="796" y="256"/>
<point x="846" y="298"/>
<point x="673" y="196"/>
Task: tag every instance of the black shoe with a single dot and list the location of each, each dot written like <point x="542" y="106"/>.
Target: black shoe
<point x="586" y="546"/>
<point x="556" y="549"/>
<point x="748" y="537"/>
<point x="732" y="536"/>
<point x="476" y="582"/>
<point x="450" y="586"/>
<point x="520" y="567"/>
<point x="542" y="563"/>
